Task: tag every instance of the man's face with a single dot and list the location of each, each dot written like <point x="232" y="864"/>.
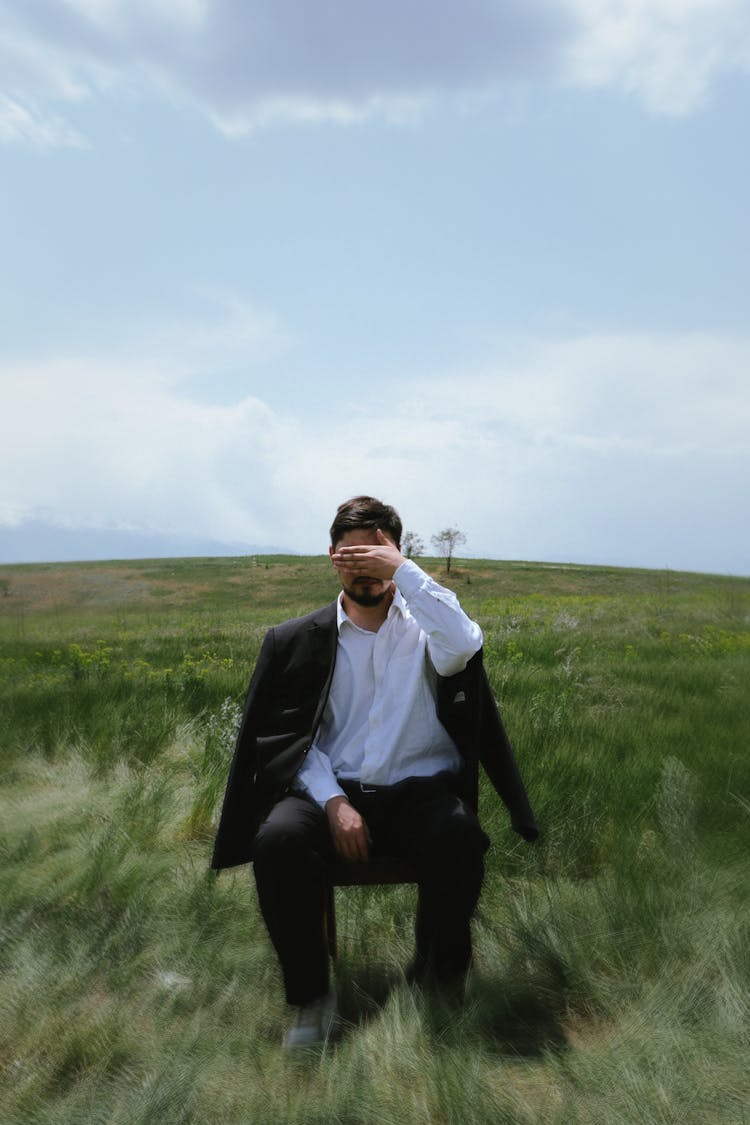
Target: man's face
<point x="362" y="588"/>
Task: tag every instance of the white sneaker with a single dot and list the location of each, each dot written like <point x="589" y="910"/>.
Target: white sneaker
<point x="313" y="1023"/>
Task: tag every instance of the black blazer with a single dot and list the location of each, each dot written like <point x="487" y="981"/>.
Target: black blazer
<point x="285" y="702"/>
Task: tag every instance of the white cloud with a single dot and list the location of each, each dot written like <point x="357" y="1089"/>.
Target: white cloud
<point x="254" y="63"/>
<point x="608" y="448"/>
<point x="655" y="393"/>
<point x="146" y="440"/>
<point x="668" y="52"/>
<point x="97" y="443"/>
<point x="26" y="125"/>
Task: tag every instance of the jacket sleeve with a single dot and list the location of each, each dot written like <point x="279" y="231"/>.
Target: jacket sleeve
<point x="467" y="709"/>
<point x="239" y="813"/>
<point x="499" y="763"/>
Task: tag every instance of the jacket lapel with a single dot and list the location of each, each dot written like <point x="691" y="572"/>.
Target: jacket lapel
<point x="322" y="638"/>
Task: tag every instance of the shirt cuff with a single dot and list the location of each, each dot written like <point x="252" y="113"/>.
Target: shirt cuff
<point x="316" y="778"/>
<point x="409" y="577"/>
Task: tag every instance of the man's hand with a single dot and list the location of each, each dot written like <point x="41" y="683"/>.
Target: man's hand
<point x="377" y="560"/>
<point x="351" y="836"/>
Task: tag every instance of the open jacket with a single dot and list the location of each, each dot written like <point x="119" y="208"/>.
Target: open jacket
<point x="284" y="706"/>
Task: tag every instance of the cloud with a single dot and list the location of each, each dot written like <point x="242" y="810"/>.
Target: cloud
<point x="659" y="394"/>
<point x="608" y="448"/>
<point x="92" y="443"/>
<point x="146" y="440"/>
<point x="253" y="63"/>
<point x="632" y="444"/>
<point x="249" y="63"/>
<point x="626" y="449"/>
<point x="346" y="62"/>
<point x="26" y="125"/>
<point x="668" y="52"/>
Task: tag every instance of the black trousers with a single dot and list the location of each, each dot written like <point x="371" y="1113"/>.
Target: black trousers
<point x="421" y="820"/>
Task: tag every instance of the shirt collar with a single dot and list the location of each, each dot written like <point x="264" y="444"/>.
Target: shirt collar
<point x="398" y="605"/>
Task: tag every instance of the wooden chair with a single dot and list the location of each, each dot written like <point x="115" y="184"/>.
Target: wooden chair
<point x="376" y="872"/>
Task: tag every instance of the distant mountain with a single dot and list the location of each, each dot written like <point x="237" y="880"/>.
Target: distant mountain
<point x="36" y="541"/>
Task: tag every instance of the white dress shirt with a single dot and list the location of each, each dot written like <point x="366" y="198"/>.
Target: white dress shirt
<point x="380" y="724"/>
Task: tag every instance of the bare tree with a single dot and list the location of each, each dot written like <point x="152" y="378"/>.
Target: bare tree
<point x="445" y="543"/>
<point x="412" y="545"/>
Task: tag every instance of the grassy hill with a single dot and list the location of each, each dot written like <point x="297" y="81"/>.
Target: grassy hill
<point x="613" y="959"/>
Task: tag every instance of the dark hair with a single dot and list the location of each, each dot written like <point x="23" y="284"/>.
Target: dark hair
<point x="366" y="512"/>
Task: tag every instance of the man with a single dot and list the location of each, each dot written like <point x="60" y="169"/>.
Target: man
<point x="361" y="736"/>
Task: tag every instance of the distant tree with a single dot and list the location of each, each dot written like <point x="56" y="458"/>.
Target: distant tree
<point x="445" y="543"/>
<point x="412" y="545"/>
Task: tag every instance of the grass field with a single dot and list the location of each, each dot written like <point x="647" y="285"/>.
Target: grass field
<point x="613" y="956"/>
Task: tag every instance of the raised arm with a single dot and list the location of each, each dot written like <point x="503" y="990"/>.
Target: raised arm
<point x="452" y="637"/>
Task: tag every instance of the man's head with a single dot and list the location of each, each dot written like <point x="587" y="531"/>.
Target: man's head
<point x="365" y="513"/>
<point x="357" y="523"/>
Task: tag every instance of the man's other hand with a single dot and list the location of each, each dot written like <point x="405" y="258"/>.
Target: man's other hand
<point x="351" y="836"/>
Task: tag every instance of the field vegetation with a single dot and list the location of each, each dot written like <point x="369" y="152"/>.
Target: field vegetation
<point x="613" y="956"/>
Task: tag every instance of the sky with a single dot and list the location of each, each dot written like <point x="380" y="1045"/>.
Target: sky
<point x="488" y="261"/>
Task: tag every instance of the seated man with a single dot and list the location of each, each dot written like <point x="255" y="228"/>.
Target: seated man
<point x="361" y="734"/>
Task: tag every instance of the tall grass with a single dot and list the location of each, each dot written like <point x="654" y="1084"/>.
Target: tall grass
<point x="612" y="958"/>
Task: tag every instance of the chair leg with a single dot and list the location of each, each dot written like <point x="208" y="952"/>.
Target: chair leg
<point x="330" y="920"/>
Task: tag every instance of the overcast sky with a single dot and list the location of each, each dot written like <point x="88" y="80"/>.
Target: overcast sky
<point x="488" y="260"/>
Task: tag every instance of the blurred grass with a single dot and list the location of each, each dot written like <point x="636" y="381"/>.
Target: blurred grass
<point x="613" y="959"/>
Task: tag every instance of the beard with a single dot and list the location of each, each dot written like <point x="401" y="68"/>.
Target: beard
<point x="363" y="597"/>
